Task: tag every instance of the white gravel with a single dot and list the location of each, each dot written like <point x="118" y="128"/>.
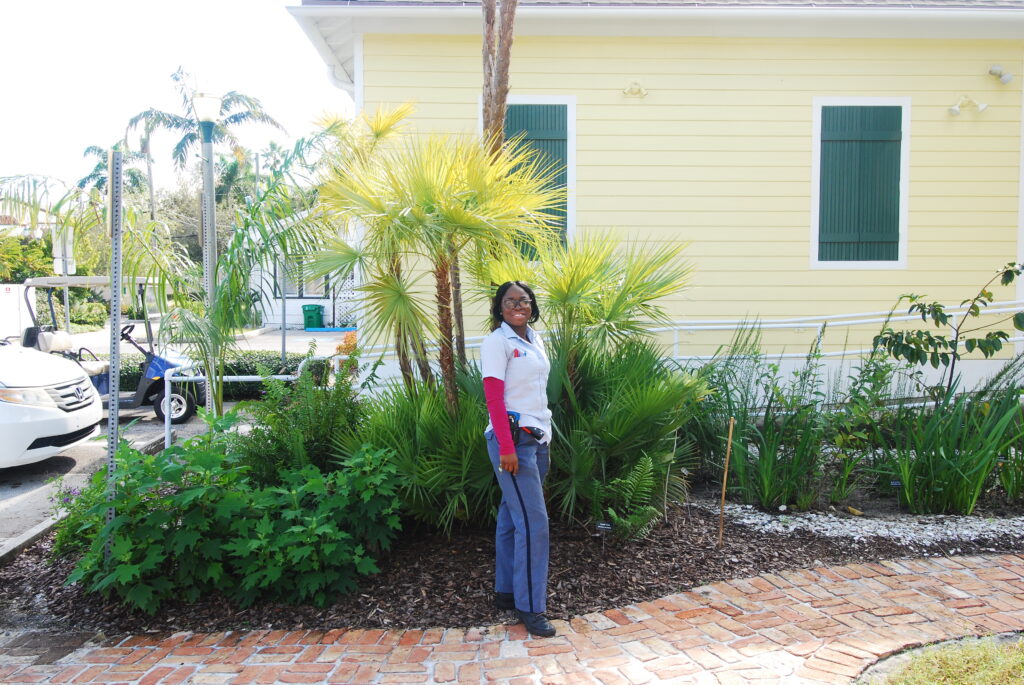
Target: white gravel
<point x="905" y="528"/>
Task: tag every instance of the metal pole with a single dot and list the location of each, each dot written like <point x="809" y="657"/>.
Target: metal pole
<point x="66" y="248"/>
<point x="284" y="317"/>
<point x="113" y="437"/>
<point x="209" y="221"/>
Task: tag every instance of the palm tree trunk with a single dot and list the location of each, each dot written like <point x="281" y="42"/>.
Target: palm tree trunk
<point x="460" y="328"/>
<point x="442" y="276"/>
<point x="497" y="57"/>
<point x="489" y="57"/>
<point x="420" y="353"/>
<point x="402" y="349"/>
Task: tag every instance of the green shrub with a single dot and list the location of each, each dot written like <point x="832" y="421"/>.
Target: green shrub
<point x="89" y="314"/>
<point x="732" y="376"/>
<point x="946" y="452"/>
<point x="781" y="465"/>
<point x="190" y="522"/>
<point x="632" y="495"/>
<point x="1011" y="472"/>
<point x="442" y="456"/>
<point x="76" y="505"/>
<point x="295" y="424"/>
<point x="628" y="407"/>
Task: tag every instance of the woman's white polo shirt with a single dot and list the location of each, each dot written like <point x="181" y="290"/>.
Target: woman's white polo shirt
<point x="524" y="367"/>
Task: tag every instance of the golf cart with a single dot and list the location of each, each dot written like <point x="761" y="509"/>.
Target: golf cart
<point x="150" y="388"/>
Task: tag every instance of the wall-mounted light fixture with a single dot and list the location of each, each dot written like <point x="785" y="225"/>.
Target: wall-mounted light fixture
<point x="967" y="101"/>
<point x="1003" y="76"/>
<point x="634" y="90"/>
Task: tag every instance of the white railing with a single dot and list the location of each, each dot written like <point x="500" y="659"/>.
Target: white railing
<point x="172" y="376"/>
<point x="817" y="323"/>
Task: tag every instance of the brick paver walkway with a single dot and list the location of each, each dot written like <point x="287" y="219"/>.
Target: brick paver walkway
<point x="823" y="625"/>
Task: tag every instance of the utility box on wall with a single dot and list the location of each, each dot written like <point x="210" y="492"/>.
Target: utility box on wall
<point x="14" y="314"/>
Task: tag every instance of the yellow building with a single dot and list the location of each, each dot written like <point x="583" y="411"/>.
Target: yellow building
<point x="818" y="158"/>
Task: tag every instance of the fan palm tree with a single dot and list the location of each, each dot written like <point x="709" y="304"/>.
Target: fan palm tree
<point x="431" y="197"/>
<point x="595" y="295"/>
<point x="235" y="109"/>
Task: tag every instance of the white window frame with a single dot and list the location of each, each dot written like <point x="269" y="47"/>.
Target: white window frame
<point x="570" y="146"/>
<point x="904" y="189"/>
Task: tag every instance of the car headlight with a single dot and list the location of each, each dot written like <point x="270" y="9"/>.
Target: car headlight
<point x="34" y="396"/>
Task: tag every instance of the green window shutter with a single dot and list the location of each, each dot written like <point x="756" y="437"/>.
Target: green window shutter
<point x="545" y="128"/>
<point x="859" y="195"/>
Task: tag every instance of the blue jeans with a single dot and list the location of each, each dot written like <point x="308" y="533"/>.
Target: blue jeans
<point x="521" y="536"/>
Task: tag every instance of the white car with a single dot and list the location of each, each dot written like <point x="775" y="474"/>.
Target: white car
<point x="47" y="404"/>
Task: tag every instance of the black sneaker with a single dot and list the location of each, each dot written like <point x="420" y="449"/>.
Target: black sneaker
<point x="536" y="624"/>
<point x="505" y="601"/>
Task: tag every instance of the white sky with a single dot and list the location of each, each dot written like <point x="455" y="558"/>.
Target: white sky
<point x="75" y="71"/>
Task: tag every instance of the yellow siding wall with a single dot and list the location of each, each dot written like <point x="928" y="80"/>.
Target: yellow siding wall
<point x="718" y="154"/>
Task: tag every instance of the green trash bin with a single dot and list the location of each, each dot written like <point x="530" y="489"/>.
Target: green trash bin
<point x="312" y="316"/>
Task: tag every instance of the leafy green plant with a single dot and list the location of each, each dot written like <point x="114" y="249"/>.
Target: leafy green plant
<point x="781" y="465"/>
<point x="447" y="477"/>
<point x="947" y="451"/>
<point x="920" y="347"/>
<point x="89" y="313"/>
<point x="1011" y="473"/>
<point x="629" y="405"/>
<point x="732" y="378"/>
<point x="73" y="507"/>
<point x="632" y="495"/>
<point x="309" y="539"/>
<point x="295" y="424"/>
<point x="777" y="458"/>
<point x="189" y="522"/>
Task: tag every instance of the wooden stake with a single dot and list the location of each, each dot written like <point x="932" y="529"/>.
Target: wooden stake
<point x="725" y="477"/>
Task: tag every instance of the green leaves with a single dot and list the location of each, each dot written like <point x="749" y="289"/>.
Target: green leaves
<point x="920" y="347"/>
<point x="212" y="530"/>
<point x="944" y="454"/>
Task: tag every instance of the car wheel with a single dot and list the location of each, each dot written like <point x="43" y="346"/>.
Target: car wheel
<point x="183" y="406"/>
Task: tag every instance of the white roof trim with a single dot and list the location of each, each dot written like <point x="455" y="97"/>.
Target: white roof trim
<point x="338" y="25"/>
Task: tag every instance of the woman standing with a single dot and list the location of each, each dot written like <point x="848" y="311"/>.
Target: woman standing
<point x="515" y="370"/>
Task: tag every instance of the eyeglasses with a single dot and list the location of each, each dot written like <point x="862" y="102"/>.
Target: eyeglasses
<point x="524" y="303"/>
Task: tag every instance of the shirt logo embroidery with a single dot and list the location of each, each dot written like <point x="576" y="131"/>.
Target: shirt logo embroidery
<point x="516" y="353"/>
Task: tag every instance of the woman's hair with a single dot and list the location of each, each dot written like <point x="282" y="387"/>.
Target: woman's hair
<point x="496" y="318"/>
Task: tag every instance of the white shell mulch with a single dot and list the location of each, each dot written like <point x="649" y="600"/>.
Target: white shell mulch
<point x="905" y="528"/>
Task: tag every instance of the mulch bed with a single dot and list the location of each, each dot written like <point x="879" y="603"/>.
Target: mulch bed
<point x="430" y="580"/>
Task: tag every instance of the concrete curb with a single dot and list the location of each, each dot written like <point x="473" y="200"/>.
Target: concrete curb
<point x="256" y="332"/>
<point x="10" y="549"/>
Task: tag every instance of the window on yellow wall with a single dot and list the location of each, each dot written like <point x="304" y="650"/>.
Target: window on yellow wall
<point x="545" y="128"/>
<point x="859" y="205"/>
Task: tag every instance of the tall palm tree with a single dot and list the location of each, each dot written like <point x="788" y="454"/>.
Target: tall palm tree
<point x="134" y="180"/>
<point x="235" y="109"/>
